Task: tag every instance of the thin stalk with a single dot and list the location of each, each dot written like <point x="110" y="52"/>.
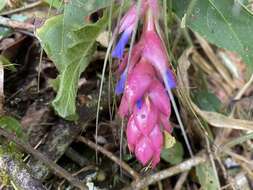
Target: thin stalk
<point x="121" y="142"/>
<point x="134" y="34"/>
<point x="210" y="154"/>
<point x="178" y="118"/>
<point x="128" y="63"/>
<point x="110" y="63"/>
<point x="167" y="85"/>
<point x="103" y="75"/>
<point x="165" y="18"/>
<point x="22" y="9"/>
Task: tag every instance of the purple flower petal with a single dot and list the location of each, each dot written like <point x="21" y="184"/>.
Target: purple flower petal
<point x="119" y="49"/>
<point x="121" y="84"/>
<point x="171" y="79"/>
<point x="139" y="103"/>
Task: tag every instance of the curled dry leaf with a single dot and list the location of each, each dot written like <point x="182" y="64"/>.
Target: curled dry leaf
<point x="213" y="118"/>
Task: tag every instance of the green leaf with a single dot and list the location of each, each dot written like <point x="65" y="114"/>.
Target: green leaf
<point x="69" y="41"/>
<point x="169" y="140"/>
<point x="12" y="125"/>
<point x="7" y="64"/>
<point x="223" y="22"/>
<point x="173" y="155"/>
<point x="71" y="61"/>
<point x="207" y="101"/>
<point x="2" y="4"/>
<point x="76" y="11"/>
<point x="4" y="32"/>
<point x="19" y="17"/>
<point x="55" y="3"/>
<point x="207" y="177"/>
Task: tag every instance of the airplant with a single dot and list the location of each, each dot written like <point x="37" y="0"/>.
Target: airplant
<point x="145" y="78"/>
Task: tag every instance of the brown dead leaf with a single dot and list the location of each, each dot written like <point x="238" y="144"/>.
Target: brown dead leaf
<point x="213" y="118"/>
<point x="32" y="123"/>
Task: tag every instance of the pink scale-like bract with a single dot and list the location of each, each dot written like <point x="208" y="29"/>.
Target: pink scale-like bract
<point x="145" y="102"/>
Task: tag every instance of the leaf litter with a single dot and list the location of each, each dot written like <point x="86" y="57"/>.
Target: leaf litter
<point x="214" y="96"/>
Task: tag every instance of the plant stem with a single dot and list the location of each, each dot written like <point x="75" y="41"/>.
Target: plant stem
<point x="29" y="6"/>
<point x="178" y="117"/>
<point x="182" y="167"/>
<point x="15" y="24"/>
<point x="111" y="156"/>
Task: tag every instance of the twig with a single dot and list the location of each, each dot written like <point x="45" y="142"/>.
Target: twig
<point x="174" y="105"/>
<point x="182" y="167"/>
<point x="15" y="24"/>
<point x="244" y="88"/>
<point x="222" y="136"/>
<point x="181" y="181"/>
<point x="76" y="157"/>
<point x="211" y="156"/>
<point x="53" y="166"/>
<point x="29" y="6"/>
<point x="121" y="163"/>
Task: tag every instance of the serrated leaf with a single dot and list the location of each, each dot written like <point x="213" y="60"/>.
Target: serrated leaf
<point x="70" y="58"/>
<point x="12" y="125"/>
<point x="207" y="177"/>
<point x="173" y="155"/>
<point x="223" y="22"/>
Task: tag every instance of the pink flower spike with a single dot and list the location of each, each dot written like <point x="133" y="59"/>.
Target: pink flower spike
<point x="146" y="117"/>
<point x="135" y="58"/>
<point x="144" y="151"/>
<point x="155" y="52"/>
<point x="154" y="5"/>
<point x="159" y="97"/>
<point x="138" y="82"/>
<point x="156" y="138"/>
<point x="165" y="123"/>
<point x="130" y="18"/>
<point x="123" y="108"/>
<point x="133" y="134"/>
<point x="156" y="158"/>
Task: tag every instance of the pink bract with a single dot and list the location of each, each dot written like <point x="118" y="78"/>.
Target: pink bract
<point x="145" y="102"/>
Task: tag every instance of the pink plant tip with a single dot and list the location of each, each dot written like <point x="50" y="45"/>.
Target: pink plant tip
<point x="145" y="101"/>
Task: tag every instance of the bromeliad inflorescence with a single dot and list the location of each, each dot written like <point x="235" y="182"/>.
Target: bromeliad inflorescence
<point x="143" y="77"/>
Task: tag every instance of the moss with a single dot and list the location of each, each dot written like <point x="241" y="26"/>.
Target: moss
<point x="4" y="178"/>
<point x="12" y="152"/>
